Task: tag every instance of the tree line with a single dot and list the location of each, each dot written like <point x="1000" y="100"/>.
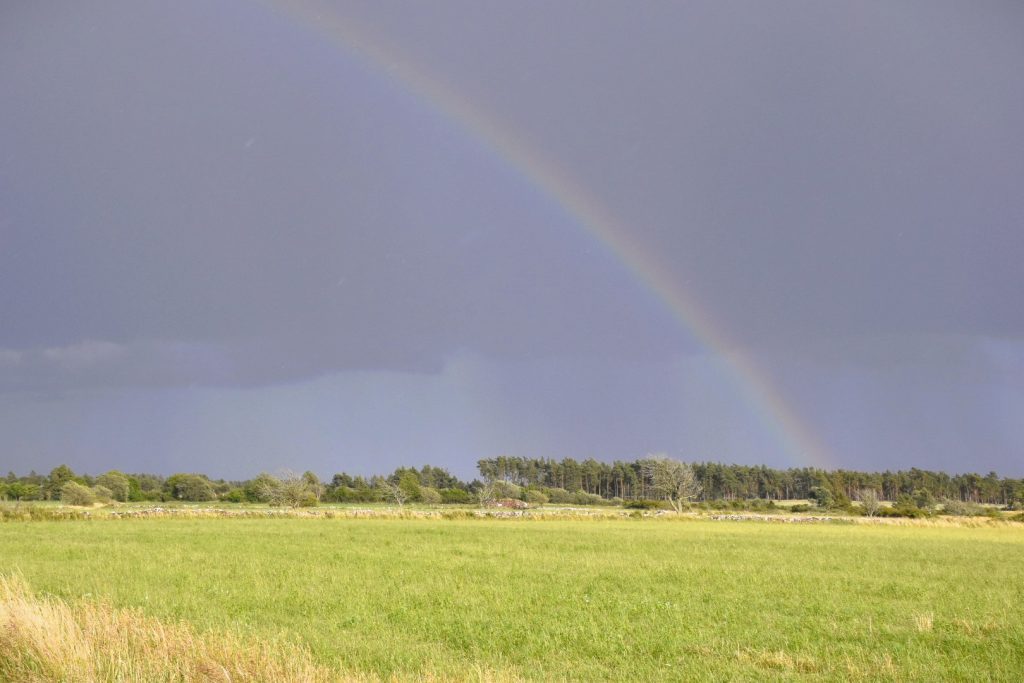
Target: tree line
<point x="626" y="480"/>
<point x="533" y="480"/>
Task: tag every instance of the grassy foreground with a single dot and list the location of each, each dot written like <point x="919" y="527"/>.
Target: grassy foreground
<point x="580" y="600"/>
<point x="44" y="639"/>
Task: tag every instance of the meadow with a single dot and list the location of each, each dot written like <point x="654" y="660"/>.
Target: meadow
<point x="650" y="599"/>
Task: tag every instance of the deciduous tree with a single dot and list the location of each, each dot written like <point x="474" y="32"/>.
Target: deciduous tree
<point x="392" y="492"/>
<point x="73" y="493"/>
<point x="672" y="479"/>
<point x="59" y="476"/>
<point x="870" y="502"/>
<point x="191" y="487"/>
<point x="117" y="482"/>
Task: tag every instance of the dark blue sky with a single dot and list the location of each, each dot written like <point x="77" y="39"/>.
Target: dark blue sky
<point x="230" y="243"/>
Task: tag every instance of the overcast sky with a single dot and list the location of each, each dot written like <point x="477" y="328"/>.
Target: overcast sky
<point x="233" y="240"/>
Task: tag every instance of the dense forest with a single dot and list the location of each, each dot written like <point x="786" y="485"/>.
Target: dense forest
<point x="729" y="482"/>
<point x="543" y="480"/>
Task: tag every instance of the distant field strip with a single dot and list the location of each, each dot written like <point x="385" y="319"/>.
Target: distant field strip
<point x="563" y="600"/>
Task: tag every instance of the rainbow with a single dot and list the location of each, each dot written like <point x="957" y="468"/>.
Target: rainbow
<point x="596" y="220"/>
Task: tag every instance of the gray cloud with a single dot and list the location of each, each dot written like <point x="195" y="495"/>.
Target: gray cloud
<point x="215" y="195"/>
<point x="204" y="197"/>
<point x="846" y="168"/>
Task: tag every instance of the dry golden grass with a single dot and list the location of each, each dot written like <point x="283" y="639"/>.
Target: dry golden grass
<point x="43" y="639"/>
<point x="778" y="660"/>
<point x="938" y="522"/>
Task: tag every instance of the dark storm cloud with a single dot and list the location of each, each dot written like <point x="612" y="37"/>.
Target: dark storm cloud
<point x="210" y="204"/>
<point x="807" y="168"/>
<point x="247" y="190"/>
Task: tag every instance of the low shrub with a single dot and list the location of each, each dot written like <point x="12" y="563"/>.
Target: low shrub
<point x="645" y="504"/>
<point x="235" y="495"/>
<point x="959" y="508"/>
<point x="73" y="493"/>
<point x="822" y="496"/>
<point x="841" y="502"/>
<point x="430" y="496"/>
<point x="559" y="496"/>
<point x="584" y="498"/>
<point x="455" y="497"/>
<point x="103" y="494"/>
<point x="506" y="489"/>
<point x="902" y="510"/>
<point x="534" y="497"/>
<point x="906" y="506"/>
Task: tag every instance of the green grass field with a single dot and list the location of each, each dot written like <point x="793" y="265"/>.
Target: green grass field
<point x="581" y="600"/>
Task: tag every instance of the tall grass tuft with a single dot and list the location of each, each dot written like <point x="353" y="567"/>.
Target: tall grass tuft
<point x="44" y="639"/>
